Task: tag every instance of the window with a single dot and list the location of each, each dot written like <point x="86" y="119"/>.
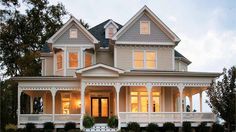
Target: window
<point x="73" y="33"/>
<point x="59" y="61"/>
<point x="156" y="101"/>
<point x="144" y="60"/>
<point x="134" y="101"/>
<point x="65" y="99"/>
<point x="144" y="27"/>
<point x="73" y="59"/>
<point x="110" y="32"/>
<point x="139" y="101"/>
<point x="88" y="59"/>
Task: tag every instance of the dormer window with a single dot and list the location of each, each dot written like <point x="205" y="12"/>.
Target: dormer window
<point x="110" y="32"/>
<point x="144" y="27"/>
<point x="73" y="33"/>
<point x="110" y="29"/>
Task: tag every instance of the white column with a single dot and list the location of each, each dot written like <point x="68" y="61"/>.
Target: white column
<point x="117" y="87"/>
<point x="83" y="86"/>
<point x="18" y="109"/>
<point x="53" y="92"/>
<point x="149" y="90"/>
<point x="201" y="101"/>
<point x="181" y="88"/>
<point x="191" y="102"/>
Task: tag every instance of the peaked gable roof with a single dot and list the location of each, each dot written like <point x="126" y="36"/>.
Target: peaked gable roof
<point x="62" y="29"/>
<point x="159" y="23"/>
<point x="98" y="31"/>
<point x="111" y="22"/>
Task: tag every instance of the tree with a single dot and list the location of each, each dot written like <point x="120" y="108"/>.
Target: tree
<point x="221" y="96"/>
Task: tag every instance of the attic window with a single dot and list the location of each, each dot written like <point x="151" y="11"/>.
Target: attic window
<point x="144" y="27"/>
<point x="110" y="32"/>
<point x="73" y="33"/>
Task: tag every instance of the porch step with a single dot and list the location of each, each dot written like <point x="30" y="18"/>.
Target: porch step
<point x="100" y="128"/>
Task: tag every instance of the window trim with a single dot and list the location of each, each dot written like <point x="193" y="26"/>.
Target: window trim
<point x="75" y="29"/>
<point x="149" y="28"/>
<point x="68" y="60"/>
<point x="145" y="65"/>
<point x="62" y="61"/>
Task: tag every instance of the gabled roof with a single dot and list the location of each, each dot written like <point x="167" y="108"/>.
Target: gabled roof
<point x="100" y="65"/>
<point x="111" y="22"/>
<point x="181" y="57"/>
<point x="62" y="29"/>
<point x="145" y="9"/>
<point x="98" y="32"/>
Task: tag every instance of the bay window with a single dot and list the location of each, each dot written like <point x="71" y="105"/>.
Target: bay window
<point x="59" y="61"/>
<point x="73" y="59"/>
<point x="144" y="59"/>
<point x="88" y="59"/>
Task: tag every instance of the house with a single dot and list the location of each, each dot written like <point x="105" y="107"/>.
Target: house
<point x="132" y="71"/>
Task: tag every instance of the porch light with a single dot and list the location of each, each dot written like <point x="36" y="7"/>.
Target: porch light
<point x="78" y="104"/>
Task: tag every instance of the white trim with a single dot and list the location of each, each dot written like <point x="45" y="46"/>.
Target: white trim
<point x="111" y="22"/>
<point x="149" y="29"/>
<point x="72" y="45"/>
<point x="90" y="36"/>
<point x="134" y="18"/>
<point x="99" y="65"/>
<point x="144" y="43"/>
<point x="64" y="60"/>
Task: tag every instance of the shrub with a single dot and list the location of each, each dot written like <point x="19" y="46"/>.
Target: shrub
<point x="133" y="127"/>
<point x="169" y="127"/>
<point x="30" y="127"/>
<point x="112" y="122"/>
<point x="203" y="127"/>
<point x="10" y="128"/>
<point x="217" y="128"/>
<point x="187" y="126"/>
<point x="69" y="126"/>
<point x="88" y="121"/>
<point x="152" y="127"/>
<point x="48" y="126"/>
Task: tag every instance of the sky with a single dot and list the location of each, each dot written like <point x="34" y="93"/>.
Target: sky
<point x="207" y="29"/>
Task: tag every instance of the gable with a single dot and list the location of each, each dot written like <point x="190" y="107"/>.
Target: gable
<point x="133" y="33"/>
<point x="64" y="38"/>
<point x="100" y="72"/>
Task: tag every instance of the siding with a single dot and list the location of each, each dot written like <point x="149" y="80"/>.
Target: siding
<point x="81" y="39"/>
<point x="105" y="57"/>
<point x="180" y="66"/>
<point x="164" y="57"/>
<point x="133" y="33"/>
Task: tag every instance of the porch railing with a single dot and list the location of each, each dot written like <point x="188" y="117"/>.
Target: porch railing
<point x="63" y="118"/>
<point x="199" y="116"/>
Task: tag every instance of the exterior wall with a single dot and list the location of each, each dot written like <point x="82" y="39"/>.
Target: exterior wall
<point x="124" y="57"/>
<point x="168" y="101"/>
<point x="48" y="103"/>
<point x="180" y="66"/>
<point x="105" y="57"/>
<point x="133" y="33"/>
<point x="47" y="66"/>
<point x="65" y="39"/>
<point x="122" y="101"/>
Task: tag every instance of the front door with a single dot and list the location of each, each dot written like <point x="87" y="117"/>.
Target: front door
<point x="100" y="109"/>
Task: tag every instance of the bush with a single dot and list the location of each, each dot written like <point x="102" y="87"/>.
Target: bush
<point x="10" y="128"/>
<point x="69" y="126"/>
<point x="152" y="127"/>
<point x="169" y="127"/>
<point x="48" y="126"/>
<point x="30" y="127"/>
<point x="187" y="126"/>
<point x="112" y="122"/>
<point x="217" y="128"/>
<point x="203" y="127"/>
<point x="133" y="127"/>
<point x="88" y="121"/>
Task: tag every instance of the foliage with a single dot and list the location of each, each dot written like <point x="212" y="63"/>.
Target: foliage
<point x="152" y="127"/>
<point x="187" y="126"/>
<point x="88" y="121"/>
<point x="169" y="126"/>
<point x="133" y="127"/>
<point x="10" y="128"/>
<point x="30" y="127"/>
<point x="217" y="128"/>
<point x="113" y="122"/>
<point x="69" y="126"/>
<point x="221" y="96"/>
<point x="202" y="127"/>
<point x="48" y="126"/>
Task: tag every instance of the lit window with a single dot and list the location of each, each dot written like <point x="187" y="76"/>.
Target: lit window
<point x="150" y="59"/>
<point x="144" y="27"/>
<point x="138" y="59"/>
<point x="144" y="60"/>
<point x="65" y="99"/>
<point x="139" y="102"/>
<point x="73" y="33"/>
<point x="59" y="61"/>
<point x="156" y="101"/>
<point x="73" y="59"/>
<point x="110" y="32"/>
<point x="88" y="59"/>
<point x="134" y="104"/>
<point x="144" y="104"/>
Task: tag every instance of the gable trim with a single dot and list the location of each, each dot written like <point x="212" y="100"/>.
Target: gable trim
<point x="100" y="65"/>
<point x="65" y="26"/>
<point x="144" y="43"/>
<point x="111" y="22"/>
<point x="156" y="20"/>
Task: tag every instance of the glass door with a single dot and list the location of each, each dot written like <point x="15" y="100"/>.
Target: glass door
<point x="100" y="109"/>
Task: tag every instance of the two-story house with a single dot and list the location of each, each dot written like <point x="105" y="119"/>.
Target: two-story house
<point x="132" y="71"/>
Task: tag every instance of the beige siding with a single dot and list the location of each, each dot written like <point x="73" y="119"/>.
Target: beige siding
<point x="124" y="56"/>
<point x="180" y="66"/>
<point x="105" y="57"/>
<point x="168" y="101"/>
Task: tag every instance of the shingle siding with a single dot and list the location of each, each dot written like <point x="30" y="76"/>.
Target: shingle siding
<point x="133" y="33"/>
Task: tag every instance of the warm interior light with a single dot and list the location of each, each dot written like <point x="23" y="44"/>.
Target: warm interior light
<point x="78" y="103"/>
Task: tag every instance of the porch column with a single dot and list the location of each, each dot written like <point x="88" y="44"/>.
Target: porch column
<point x="117" y="87"/>
<point x="19" y="109"/>
<point x="191" y="102"/>
<point x="53" y="92"/>
<point x="149" y="90"/>
<point x="181" y="88"/>
<point x="201" y="101"/>
<point x="83" y="86"/>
